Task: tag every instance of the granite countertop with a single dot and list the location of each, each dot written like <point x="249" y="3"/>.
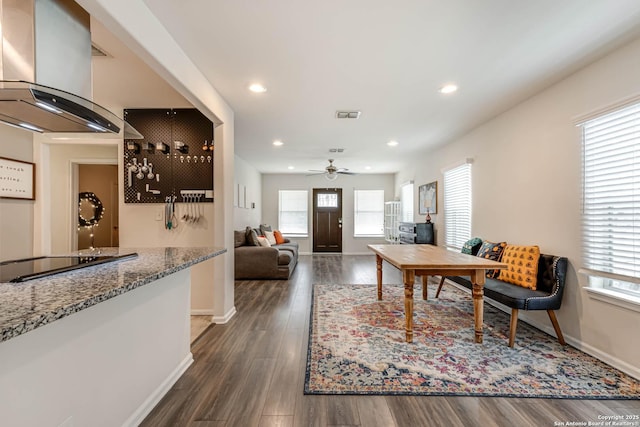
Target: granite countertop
<point x="28" y="305"/>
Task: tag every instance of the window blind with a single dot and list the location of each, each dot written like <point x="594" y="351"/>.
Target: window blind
<point x="368" y="213"/>
<point x="457" y="206"/>
<point x="611" y="195"/>
<point x="406" y="197"/>
<point x="293" y="212"/>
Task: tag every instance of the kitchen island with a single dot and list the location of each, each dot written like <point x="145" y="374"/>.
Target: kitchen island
<point x="99" y="345"/>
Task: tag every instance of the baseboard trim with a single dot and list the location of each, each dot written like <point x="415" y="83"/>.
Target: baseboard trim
<point x="202" y="312"/>
<point x="589" y="349"/>
<point x="147" y="406"/>
<point x="224" y="319"/>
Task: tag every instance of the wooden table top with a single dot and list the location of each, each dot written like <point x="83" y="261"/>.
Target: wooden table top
<point x="409" y="257"/>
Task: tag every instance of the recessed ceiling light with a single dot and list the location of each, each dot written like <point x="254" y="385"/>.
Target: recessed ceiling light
<point x="448" y="88"/>
<point x="367" y="167"/>
<point x="257" y="88"/>
<point x="278" y="143"/>
<point x="290" y="167"/>
<point x="392" y="143"/>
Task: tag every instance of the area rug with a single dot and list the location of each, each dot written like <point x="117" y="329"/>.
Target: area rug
<point x="357" y="346"/>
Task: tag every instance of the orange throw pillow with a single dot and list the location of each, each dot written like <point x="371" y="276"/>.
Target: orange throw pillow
<point x="278" y="236"/>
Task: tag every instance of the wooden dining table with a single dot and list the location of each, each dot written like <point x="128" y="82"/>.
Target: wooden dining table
<point x="430" y="260"/>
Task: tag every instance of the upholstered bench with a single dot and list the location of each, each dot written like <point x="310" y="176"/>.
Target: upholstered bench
<point x="547" y="295"/>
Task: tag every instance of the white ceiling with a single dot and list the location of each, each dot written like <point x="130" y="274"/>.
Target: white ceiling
<point x="386" y="59"/>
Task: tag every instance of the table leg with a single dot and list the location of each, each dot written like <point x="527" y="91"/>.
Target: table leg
<point x="425" y="290"/>
<point x="379" y="272"/>
<point x="408" y="277"/>
<point x="477" y="280"/>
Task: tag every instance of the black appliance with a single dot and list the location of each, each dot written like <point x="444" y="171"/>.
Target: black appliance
<point x="35" y="268"/>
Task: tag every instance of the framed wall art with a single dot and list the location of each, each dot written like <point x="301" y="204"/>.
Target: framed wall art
<point x="428" y="198"/>
<point x="17" y="179"/>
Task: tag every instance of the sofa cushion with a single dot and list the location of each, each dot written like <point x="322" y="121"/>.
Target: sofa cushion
<point x="291" y="247"/>
<point x="284" y="257"/>
<point x="264" y="227"/>
<point x="252" y="237"/>
<point x="472" y="246"/>
<point x="492" y="251"/>
<point x="523" y="265"/>
<point x="505" y="293"/>
<point x="264" y="242"/>
<point x="270" y="237"/>
<point x="239" y="238"/>
<point x="279" y="238"/>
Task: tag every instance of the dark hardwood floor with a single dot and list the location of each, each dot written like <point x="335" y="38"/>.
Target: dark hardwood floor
<point x="250" y="371"/>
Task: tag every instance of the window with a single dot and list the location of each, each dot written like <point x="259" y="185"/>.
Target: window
<point x="457" y="206"/>
<point x="406" y="197"/>
<point x="292" y="212"/>
<point x="325" y="200"/>
<point x="611" y="200"/>
<point x="368" y="213"/>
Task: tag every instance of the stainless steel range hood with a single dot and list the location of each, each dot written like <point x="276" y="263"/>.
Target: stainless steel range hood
<point x="45" y="73"/>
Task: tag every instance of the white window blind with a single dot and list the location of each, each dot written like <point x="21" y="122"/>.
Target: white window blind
<point x="457" y="206"/>
<point x="611" y="198"/>
<point x="368" y="213"/>
<point x="406" y="198"/>
<point x="293" y="212"/>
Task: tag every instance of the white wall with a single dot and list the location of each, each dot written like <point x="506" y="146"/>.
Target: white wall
<point x="140" y="30"/>
<point x="272" y="183"/>
<point x="16" y="216"/>
<point x="248" y="176"/>
<point x="526" y="179"/>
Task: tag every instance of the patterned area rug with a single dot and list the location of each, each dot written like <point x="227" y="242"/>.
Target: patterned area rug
<point x="357" y="346"/>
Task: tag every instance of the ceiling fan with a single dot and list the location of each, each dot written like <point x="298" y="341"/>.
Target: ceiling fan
<point x="331" y="172"/>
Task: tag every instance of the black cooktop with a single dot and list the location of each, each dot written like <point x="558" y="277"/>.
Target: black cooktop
<point x="34" y="268"/>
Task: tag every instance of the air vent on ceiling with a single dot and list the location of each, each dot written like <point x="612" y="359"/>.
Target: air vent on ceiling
<point x="336" y="150"/>
<point x="347" y="114"/>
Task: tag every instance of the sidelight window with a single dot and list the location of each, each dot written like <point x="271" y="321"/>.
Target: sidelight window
<point x="457" y="205"/>
<point x="368" y="213"/>
<point x="293" y="212"/>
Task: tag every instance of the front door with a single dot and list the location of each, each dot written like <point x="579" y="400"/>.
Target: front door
<point x="327" y="220"/>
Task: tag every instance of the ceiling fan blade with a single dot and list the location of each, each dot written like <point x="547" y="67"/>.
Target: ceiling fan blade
<point x="317" y="173"/>
<point x="347" y="173"/>
<point x="316" y="170"/>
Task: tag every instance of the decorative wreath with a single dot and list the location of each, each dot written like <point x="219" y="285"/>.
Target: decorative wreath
<point x="98" y="209"/>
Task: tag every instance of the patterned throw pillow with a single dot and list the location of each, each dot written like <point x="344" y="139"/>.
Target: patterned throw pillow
<point x="492" y="251"/>
<point x="523" y="265"/>
<point x="472" y="246"/>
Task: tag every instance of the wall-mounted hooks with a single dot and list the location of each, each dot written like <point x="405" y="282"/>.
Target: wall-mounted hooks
<point x="181" y="146"/>
<point x="162" y="147"/>
<point x="133" y="146"/>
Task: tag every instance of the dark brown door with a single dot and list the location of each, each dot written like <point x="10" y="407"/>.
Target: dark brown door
<point x="327" y="220"/>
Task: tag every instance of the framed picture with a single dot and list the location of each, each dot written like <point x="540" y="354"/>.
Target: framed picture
<point x="428" y="198"/>
<point x="17" y="179"/>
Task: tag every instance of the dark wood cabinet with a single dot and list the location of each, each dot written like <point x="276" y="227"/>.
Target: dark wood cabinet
<point x="416" y="233"/>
